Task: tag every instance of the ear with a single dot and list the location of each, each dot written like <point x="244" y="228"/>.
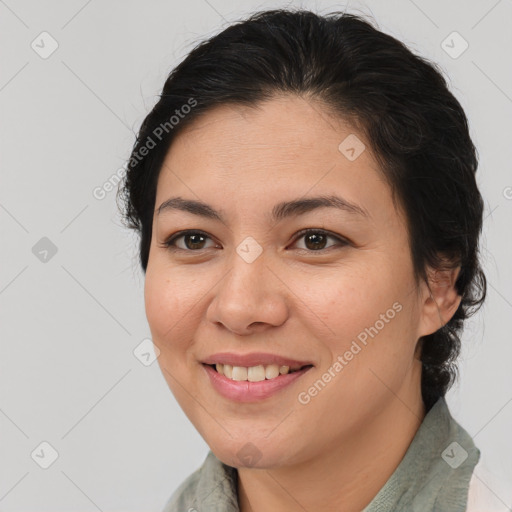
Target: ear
<point x="440" y="302"/>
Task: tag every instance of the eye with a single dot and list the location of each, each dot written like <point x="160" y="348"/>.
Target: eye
<point x="192" y="240"/>
<point x="315" y="240"/>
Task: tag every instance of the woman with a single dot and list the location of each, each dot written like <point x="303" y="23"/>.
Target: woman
<point x="309" y="217"/>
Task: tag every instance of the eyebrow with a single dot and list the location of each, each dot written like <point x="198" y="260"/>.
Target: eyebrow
<point x="280" y="211"/>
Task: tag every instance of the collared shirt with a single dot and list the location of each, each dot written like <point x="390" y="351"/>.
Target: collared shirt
<point x="433" y="476"/>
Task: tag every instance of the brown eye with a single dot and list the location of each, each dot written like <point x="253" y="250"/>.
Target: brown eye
<point x="316" y="239"/>
<point x="193" y="241"/>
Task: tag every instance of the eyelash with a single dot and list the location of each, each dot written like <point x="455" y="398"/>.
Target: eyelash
<point x="170" y="243"/>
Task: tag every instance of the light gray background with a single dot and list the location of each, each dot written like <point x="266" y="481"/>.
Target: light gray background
<point x="69" y="325"/>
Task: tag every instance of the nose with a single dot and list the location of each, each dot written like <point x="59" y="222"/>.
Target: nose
<point x="249" y="298"/>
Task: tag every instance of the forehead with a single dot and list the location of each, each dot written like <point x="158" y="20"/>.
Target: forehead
<point x="281" y="149"/>
<point x="285" y="126"/>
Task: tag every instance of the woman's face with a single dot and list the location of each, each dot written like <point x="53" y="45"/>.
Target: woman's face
<point x="248" y="284"/>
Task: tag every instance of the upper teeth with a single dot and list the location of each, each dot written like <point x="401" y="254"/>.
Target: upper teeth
<point x="252" y="373"/>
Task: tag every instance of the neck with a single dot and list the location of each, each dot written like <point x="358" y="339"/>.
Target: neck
<point x="346" y="477"/>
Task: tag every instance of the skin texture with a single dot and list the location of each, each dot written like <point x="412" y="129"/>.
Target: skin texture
<point x="338" y="450"/>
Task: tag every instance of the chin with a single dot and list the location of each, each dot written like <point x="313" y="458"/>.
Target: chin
<point x="251" y="453"/>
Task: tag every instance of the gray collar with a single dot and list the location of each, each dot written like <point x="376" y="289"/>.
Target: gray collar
<point x="435" y="472"/>
<point x="433" y="475"/>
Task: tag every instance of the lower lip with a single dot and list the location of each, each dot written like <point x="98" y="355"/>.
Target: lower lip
<point x="245" y="391"/>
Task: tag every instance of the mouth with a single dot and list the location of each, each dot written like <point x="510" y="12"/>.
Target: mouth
<point x="256" y="373"/>
<point x="254" y="383"/>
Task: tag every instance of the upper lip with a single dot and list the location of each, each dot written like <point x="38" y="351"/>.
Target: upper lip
<point x="253" y="359"/>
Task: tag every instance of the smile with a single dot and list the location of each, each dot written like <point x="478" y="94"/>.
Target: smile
<point x="235" y="383"/>
<point x="254" y="373"/>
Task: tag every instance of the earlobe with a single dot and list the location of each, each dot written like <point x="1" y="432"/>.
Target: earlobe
<point x="440" y="300"/>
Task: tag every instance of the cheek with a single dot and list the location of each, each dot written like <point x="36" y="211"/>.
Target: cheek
<point x="171" y="301"/>
<point x="367" y="318"/>
<point x="350" y="300"/>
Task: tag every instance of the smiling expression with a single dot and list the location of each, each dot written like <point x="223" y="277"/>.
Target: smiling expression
<point x="247" y="279"/>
